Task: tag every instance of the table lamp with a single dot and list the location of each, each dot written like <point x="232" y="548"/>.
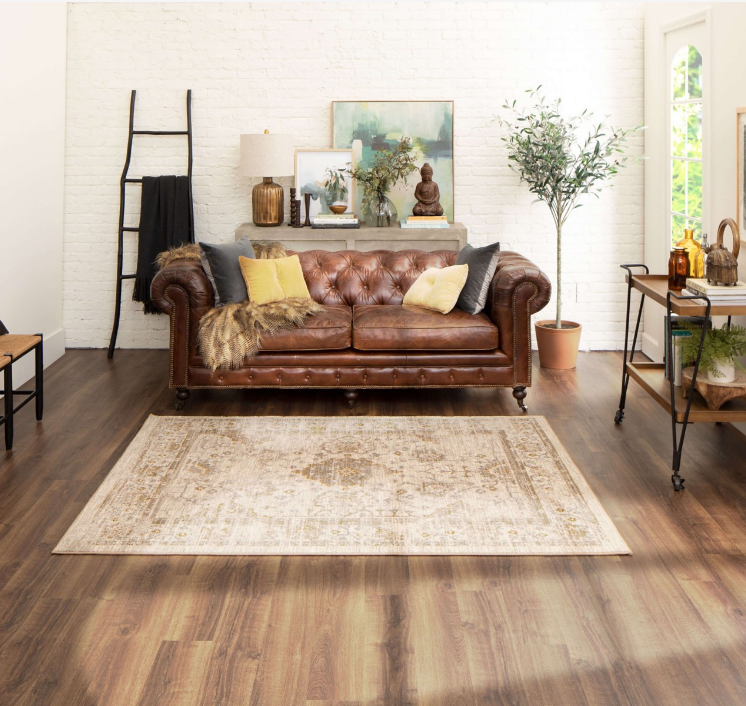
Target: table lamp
<point x="267" y="154"/>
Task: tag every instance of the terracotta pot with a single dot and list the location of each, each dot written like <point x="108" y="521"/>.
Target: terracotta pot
<point x="558" y="348"/>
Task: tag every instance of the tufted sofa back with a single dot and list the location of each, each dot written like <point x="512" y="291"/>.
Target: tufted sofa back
<point x="377" y="277"/>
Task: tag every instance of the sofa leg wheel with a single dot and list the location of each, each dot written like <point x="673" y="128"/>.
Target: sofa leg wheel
<point x="182" y="395"/>
<point x="520" y="394"/>
<point x="351" y="396"/>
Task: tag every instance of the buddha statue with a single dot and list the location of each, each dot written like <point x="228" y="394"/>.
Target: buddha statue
<point x="427" y="194"/>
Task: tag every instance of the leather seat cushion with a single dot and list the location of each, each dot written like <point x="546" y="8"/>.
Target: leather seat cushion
<point x="329" y="330"/>
<point x="394" y="327"/>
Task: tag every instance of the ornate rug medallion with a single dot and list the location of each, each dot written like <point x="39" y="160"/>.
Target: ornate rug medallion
<point x="344" y="485"/>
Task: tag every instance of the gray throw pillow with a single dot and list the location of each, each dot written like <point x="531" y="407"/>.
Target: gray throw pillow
<point x="220" y="261"/>
<point x="208" y="271"/>
<point x="482" y="265"/>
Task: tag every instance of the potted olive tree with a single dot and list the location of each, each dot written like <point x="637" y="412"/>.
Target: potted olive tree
<point x="560" y="159"/>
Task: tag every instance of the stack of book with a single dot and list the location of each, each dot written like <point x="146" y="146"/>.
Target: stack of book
<point x="681" y="326"/>
<point x="718" y="294"/>
<point x="425" y="222"/>
<point x="336" y="220"/>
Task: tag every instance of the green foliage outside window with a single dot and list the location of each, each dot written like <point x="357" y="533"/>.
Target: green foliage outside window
<point x="686" y="143"/>
<point x="687" y="73"/>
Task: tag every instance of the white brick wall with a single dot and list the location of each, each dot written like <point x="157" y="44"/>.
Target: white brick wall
<point x="279" y="66"/>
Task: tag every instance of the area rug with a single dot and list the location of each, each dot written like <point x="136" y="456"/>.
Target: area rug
<point x="344" y="485"/>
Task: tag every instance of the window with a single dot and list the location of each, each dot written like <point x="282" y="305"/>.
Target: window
<point x="686" y="143"/>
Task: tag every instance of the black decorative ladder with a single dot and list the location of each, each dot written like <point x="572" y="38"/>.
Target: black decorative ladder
<point x="122" y="189"/>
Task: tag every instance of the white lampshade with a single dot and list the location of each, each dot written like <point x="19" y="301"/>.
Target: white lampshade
<point x="267" y="155"/>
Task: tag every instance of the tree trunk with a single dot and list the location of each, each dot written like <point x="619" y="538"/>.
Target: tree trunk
<point x="558" y="323"/>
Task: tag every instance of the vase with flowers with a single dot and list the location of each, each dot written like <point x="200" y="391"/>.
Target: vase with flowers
<point x="389" y="167"/>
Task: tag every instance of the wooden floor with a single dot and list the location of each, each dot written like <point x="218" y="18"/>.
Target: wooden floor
<point x="664" y="626"/>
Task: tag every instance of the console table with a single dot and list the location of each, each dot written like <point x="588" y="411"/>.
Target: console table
<point x="365" y="238"/>
<point x="651" y="376"/>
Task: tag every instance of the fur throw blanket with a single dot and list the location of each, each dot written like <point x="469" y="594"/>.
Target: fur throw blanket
<point x="184" y="252"/>
<point x="233" y="332"/>
<point x="263" y="250"/>
<point x="229" y="334"/>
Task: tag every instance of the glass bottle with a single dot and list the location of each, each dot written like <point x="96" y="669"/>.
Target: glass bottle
<point x="700" y="259"/>
<point x="678" y="269"/>
<point x="692" y="247"/>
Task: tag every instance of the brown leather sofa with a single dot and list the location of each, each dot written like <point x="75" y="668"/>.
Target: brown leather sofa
<point x="365" y="338"/>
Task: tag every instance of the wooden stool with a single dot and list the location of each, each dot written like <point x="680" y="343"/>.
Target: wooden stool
<point x="13" y="347"/>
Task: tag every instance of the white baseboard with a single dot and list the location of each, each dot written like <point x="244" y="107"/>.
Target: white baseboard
<point x="54" y="349"/>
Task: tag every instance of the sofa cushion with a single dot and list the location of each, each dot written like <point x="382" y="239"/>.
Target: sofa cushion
<point x="392" y="327"/>
<point x="482" y="265"/>
<point x="438" y="288"/>
<point x="329" y="330"/>
<point x="273" y="280"/>
<point x="220" y="262"/>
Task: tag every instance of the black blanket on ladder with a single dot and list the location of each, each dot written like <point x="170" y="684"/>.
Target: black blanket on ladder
<point x="165" y="222"/>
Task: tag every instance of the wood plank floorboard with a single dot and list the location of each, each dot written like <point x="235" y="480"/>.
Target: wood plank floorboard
<point x="666" y="625"/>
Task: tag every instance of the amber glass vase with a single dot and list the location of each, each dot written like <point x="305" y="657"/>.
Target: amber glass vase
<point x="678" y="269"/>
<point x="692" y="248"/>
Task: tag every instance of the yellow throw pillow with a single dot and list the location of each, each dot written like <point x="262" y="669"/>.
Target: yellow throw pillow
<point x="273" y="280"/>
<point x="290" y="274"/>
<point x="438" y="289"/>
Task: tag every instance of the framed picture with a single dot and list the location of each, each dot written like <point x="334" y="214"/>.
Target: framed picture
<point x="741" y="168"/>
<point x="315" y="172"/>
<point x="367" y="126"/>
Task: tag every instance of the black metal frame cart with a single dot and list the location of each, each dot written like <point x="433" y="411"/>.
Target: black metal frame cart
<point x="13" y="348"/>
<point x="651" y="376"/>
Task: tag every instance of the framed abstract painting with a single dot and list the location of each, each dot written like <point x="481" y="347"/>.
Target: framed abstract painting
<point x="741" y="167"/>
<point x="368" y="126"/>
<point x="314" y="173"/>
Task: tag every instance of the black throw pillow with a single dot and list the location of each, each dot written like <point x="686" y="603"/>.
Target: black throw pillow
<point x="482" y="265"/>
<point x="220" y="262"/>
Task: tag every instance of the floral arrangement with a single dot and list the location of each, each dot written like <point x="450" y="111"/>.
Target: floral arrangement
<point x="389" y="167"/>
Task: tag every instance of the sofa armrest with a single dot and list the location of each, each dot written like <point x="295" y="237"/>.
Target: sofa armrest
<point x="518" y="290"/>
<point x="182" y="290"/>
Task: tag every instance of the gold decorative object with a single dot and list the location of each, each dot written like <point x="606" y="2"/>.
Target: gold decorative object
<point x="701" y="258"/>
<point x="692" y="248"/>
<point x="338" y="208"/>
<point x="722" y="265"/>
<point x="267" y="154"/>
<point x="267" y="203"/>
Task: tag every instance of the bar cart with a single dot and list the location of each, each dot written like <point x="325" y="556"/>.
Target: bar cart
<point x="651" y="376"/>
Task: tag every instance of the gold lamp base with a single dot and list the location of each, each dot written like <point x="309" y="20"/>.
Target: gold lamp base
<point x="267" y="201"/>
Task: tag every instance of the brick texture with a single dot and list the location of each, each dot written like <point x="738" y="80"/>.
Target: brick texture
<point x="279" y="66"/>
